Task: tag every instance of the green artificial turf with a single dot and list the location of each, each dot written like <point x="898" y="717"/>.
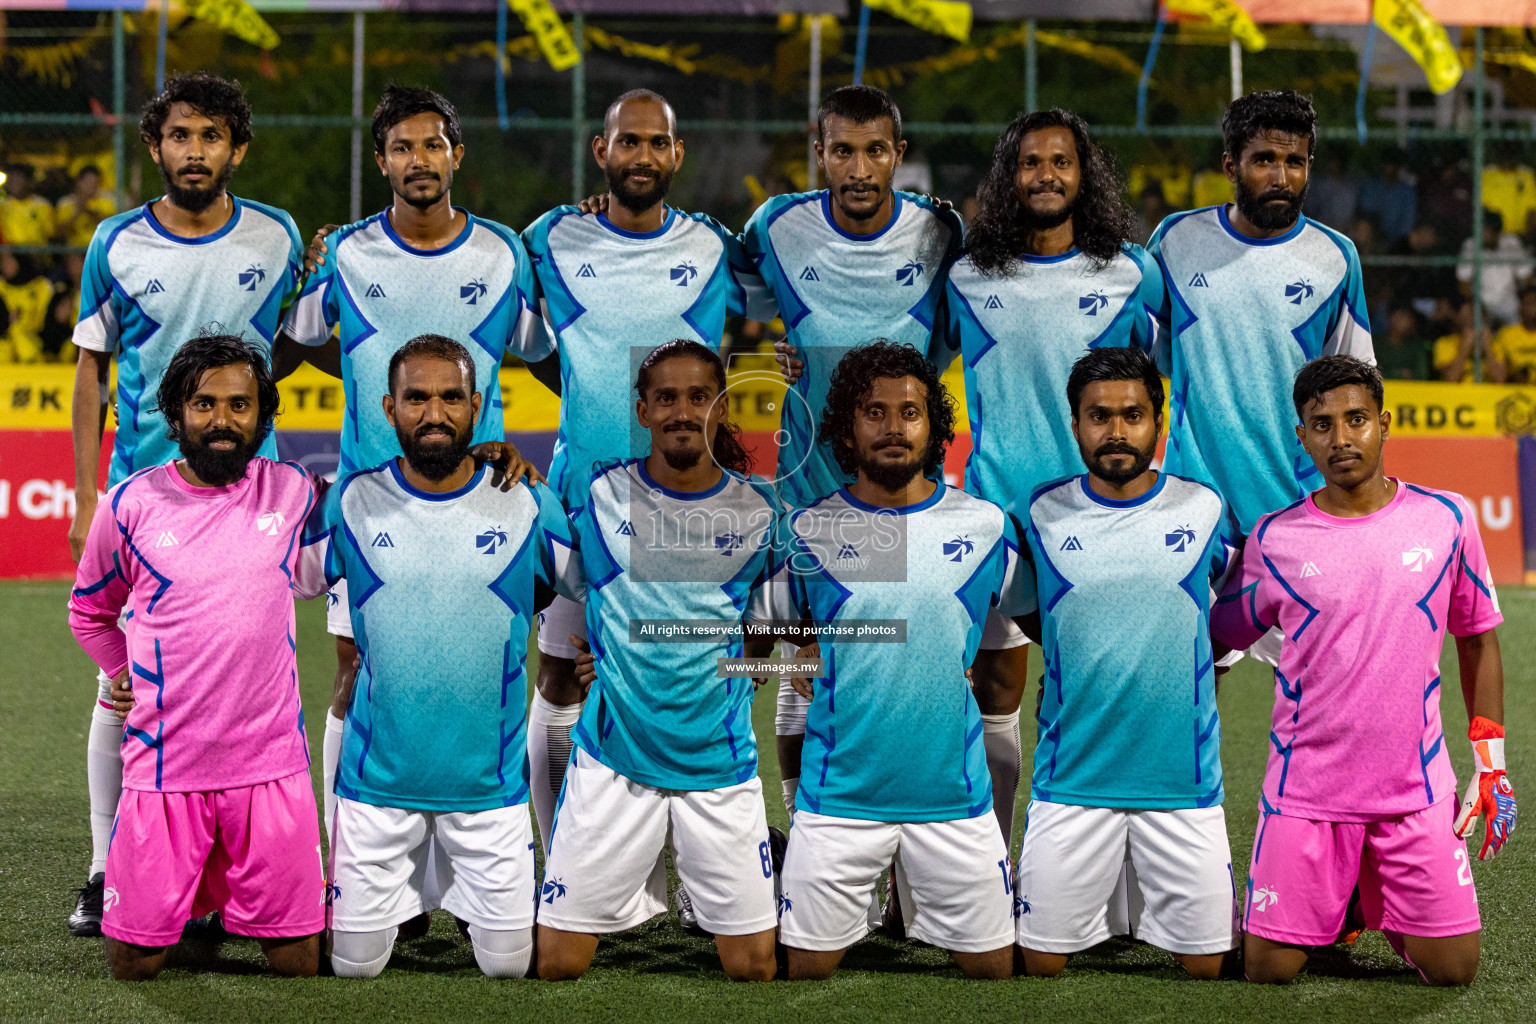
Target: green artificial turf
<point x="656" y="972"/>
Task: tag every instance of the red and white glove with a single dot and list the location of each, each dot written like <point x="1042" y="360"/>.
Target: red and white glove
<point x="1489" y="794"/>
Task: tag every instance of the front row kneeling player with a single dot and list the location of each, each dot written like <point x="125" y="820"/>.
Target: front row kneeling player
<point x="895" y="545"/>
<point x="217" y="811"/>
<point x="664" y="746"/>
<point x="1365" y="577"/>
<point x="1127" y="766"/>
<point x="446" y="573"/>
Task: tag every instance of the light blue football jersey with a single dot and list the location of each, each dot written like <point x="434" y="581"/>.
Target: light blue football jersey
<point x="611" y="297"/>
<point x="1243" y="315"/>
<point x="893" y="732"/>
<point x="1128" y="717"/>
<point x="1019" y="336"/>
<point x="478" y="290"/>
<point x="657" y="712"/>
<point x="444" y="589"/>
<point x="145" y="292"/>
<point x="836" y="291"/>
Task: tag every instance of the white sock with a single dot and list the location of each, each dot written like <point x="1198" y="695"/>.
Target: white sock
<point x="1005" y="763"/>
<point x="791" y="787"/>
<point x="549" y="751"/>
<point x="502" y="954"/>
<point x="789" y="720"/>
<point x="330" y="755"/>
<point x="361" y="954"/>
<point x="104" y="780"/>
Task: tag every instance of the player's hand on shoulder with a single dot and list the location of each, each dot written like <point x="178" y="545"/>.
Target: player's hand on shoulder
<point x="314" y="256"/>
<point x="939" y="205"/>
<point x="586" y="664"/>
<point x="594" y="204"/>
<point x="789" y="366"/>
<point x="508" y="467"/>
<point x="122" y="693"/>
<point x="801" y="684"/>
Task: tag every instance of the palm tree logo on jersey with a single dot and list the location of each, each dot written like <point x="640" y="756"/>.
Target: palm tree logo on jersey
<point x="252" y="276"/>
<point x="270" y="522"/>
<point x="473" y="292"/>
<point x="909" y="274"/>
<point x="1417" y="557"/>
<point x="1298" y="292"/>
<point x="1090" y="304"/>
<point x="729" y="542"/>
<point x="683" y="273"/>
<point x="1265" y="898"/>
<point x="785" y="904"/>
<point x="490" y="539"/>
<point x="553" y="890"/>
<point x="958" y="548"/>
<point x="1179" y="539"/>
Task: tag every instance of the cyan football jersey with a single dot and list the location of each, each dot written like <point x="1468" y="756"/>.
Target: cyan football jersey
<point x="478" y="290"/>
<point x="1128" y="717"/>
<point x="1243" y="316"/>
<point x="893" y="732"/>
<point x="1019" y="336"/>
<point x="653" y="556"/>
<point x="444" y="589"/>
<point x="836" y="291"/>
<point x="145" y="292"/>
<point x="614" y="295"/>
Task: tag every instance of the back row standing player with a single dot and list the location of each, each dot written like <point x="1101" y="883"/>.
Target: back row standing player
<point x="154" y="277"/>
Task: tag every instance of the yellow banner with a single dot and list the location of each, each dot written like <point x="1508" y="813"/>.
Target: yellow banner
<point x="941" y="17"/>
<point x="1423" y="37"/>
<point x="237" y="18"/>
<point x="554" y="40"/>
<point x="1228" y="15"/>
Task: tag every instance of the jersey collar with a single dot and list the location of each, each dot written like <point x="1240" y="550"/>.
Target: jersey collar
<point x="1062" y="258"/>
<point x="389" y="231"/>
<point x="394" y="468"/>
<point x="650" y="482"/>
<point x="1221" y="217"/>
<point x="160" y="229"/>
<point x="826" y="211"/>
<point x="1099" y="499"/>
<point x="896" y="510"/>
<point x="666" y="222"/>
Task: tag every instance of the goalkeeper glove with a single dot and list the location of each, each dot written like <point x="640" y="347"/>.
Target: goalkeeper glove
<point x="1489" y="794"/>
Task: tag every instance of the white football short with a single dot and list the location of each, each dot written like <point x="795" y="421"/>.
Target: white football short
<point x="953" y="878"/>
<point x="480" y="870"/>
<point x="1001" y="633"/>
<point x="1175" y="869"/>
<point x="338" y="614"/>
<point x="605" y="871"/>
<point x="557" y="622"/>
<point x="1267" y="647"/>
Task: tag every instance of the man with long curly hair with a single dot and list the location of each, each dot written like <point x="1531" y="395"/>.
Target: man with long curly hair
<point x="1049" y="272"/>
<point x="893" y="733"/>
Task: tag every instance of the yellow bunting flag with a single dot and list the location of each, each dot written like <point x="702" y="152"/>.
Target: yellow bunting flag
<point x="942" y="17"/>
<point x="554" y="40"/>
<point x="236" y="17"/>
<point x="1423" y="37"/>
<point x="1228" y="15"/>
<point x="1096" y="52"/>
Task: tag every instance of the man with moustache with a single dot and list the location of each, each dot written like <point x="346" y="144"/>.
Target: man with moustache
<point x="616" y="284"/>
<point x="446" y="573"/>
<point x="153" y="277"/>
<point x="422" y="266"/>
<point x="207" y="553"/>
<point x="1128" y="766"/>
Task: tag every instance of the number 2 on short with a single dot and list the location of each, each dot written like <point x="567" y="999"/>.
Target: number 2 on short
<point x="1464" y="872"/>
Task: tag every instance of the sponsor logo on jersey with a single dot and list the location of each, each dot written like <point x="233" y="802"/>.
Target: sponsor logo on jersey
<point x="785" y="904"/>
<point x="375" y="291"/>
<point x="1417" y="557"/>
<point x="553" y="890"/>
<point x="491" y="539"/>
<point x="727" y="543"/>
<point x="1071" y="544"/>
<point x="1264" y="898"/>
<point x="269" y="522"/>
<point x="909" y="274"/>
<point x="1020" y="905"/>
<point x="1090" y="304"/>
<point x="993" y="302"/>
<point x="809" y="274"/>
<point x="332" y="599"/>
<point x="586" y="271"/>
<point x="958" y="548"/>
<point x="332" y="893"/>
<point x="683" y="273"/>
<point x="1298" y="292"/>
<point x="167" y="539"/>
<point x="155" y="287"/>
<point x="473" y="292"/>
<point x="625" y="529"/>
<point x="252" y="276"/>
<point x="108" y="898"/>
<point x="381" y="540"/>
<point x="848" y="553"/>
<point x="1310" y="569"/>
<point x="1179" y="539"/>
<point x="1198" y="281"/>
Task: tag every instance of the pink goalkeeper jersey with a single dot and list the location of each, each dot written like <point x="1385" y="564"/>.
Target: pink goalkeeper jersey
<point x="1364" y="604"/>
<point x="208" y="575"/>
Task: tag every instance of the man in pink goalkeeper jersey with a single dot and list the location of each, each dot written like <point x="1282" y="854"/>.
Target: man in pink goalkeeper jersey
<point x="208" y="553"/>
<point x="1365" y="577"/>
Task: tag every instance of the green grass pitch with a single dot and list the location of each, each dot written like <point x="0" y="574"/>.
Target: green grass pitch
<point x="657" y="973"/>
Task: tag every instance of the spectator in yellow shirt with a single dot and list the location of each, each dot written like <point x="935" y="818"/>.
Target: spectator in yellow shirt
<point x="25" y="217"/>
<point x="1453" y="354"/>
<point x="1517" y="342"/>
<point x="77" y="214"/>
<point x="1509" y="188"/>
<point x="27" y="295"/>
